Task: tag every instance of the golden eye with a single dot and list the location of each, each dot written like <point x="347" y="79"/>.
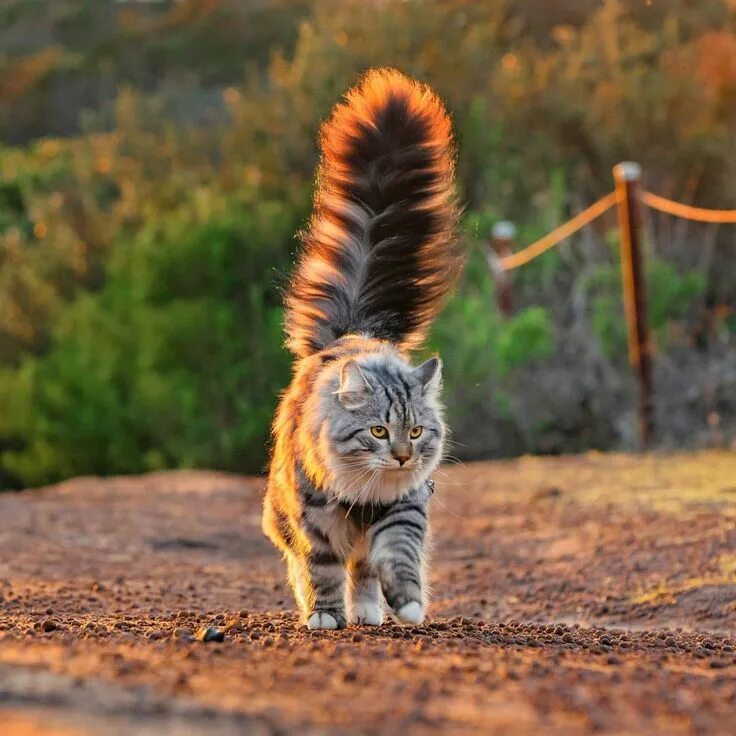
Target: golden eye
<point x="416" y="432"/>
<point x="379" y="432"/>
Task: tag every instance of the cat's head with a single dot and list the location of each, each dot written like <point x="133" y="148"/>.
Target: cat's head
<point x="384" y="428"/>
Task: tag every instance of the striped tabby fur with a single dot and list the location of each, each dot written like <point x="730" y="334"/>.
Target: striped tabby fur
<point x="359" y="431"/>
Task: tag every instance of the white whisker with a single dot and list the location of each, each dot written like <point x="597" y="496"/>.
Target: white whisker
<point x="449" y="511"/>
<point x="445" y="482"/>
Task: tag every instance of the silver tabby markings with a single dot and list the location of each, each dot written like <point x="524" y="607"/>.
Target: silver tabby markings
<point x="359" y="431"/>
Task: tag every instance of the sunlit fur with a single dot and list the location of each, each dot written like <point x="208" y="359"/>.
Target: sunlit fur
<point x="334" y="443"/>
<point x="380" y="252"/>
<point x="349" y="510"/>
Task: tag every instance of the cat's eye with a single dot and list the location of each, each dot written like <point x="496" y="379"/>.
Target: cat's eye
<point x="416" y="432"/>
<point x="379" y="432"/>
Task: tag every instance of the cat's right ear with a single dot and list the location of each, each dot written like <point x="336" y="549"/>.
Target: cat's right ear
<point x="354" y="388"/>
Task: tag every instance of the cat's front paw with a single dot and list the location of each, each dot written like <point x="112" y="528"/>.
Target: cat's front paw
<point x="326" y="620"/>
<point x="411" y="613"/>
<point x="369" y="614"/>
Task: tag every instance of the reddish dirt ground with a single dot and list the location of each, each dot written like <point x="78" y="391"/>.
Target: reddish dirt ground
<point x="590" y="594"/>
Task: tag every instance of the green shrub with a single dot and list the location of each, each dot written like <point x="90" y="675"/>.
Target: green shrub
<point x="140" y="314"/>
<point x="670" y="296"/>
<point x="177" y="362"/>
<point x="480" y="347"/>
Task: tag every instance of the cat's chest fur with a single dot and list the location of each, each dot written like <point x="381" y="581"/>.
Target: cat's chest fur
<point x="363" y="516"/>
<point x="347" y="524"/>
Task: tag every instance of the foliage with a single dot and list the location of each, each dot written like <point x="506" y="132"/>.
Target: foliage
<point x="174" y="363"/>
<point x="141" y="255"/>
<point x="63" y="56"/>
<point x="670" y="296"/>
<point x="478" y="342"/>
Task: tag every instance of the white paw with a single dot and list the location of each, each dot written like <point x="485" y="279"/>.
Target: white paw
<point x="411" y="613"/>
<point x="369" y="614"/>
<point x="321" y="620"/>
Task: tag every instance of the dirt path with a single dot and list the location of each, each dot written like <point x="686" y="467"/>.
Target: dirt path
<point x="622" y="571"/>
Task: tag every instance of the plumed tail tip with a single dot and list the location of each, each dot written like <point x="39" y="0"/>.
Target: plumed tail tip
<point x="381" y="252"/>
<point x="382" y="97"/>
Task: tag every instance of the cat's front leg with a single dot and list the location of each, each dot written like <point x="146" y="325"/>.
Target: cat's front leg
<point x="366" y="605"/>
<point x="397" y="554"/>
<point x="321" y="578"/>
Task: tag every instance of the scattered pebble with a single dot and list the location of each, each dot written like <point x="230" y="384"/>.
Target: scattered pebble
<point x="209" y="633"/>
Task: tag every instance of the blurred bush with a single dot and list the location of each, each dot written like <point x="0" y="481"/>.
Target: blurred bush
<point x="175" y="362"/>
<point x="141" y="252"/>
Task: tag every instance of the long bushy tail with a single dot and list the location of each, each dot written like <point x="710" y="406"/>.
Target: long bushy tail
<point x="380" y="253"/>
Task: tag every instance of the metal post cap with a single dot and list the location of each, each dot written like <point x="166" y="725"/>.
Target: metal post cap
<point x="503" y="230"/>
<point x="627" y="171"/>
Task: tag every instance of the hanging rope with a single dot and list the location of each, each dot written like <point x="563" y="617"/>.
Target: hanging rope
<point x="686" y="211"/>
<point x="629" y="198"/>
<point x="559" y="234"/>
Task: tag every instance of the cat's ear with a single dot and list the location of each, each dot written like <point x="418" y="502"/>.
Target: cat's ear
<point x="354" y="388"/>
<point x="429" y="374"/>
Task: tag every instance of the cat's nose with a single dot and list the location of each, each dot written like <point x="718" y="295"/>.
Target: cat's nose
<point x="402" y="454"/>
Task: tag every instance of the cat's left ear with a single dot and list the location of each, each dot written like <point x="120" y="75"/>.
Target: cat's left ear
<point x="429" y="375"/>
<point x="354" y="388"/>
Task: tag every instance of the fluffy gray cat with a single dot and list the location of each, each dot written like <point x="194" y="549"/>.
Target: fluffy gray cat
<point x="359" y="431"/>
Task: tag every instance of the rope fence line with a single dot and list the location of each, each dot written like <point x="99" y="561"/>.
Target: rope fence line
<point x="522" y="257"/>
<point x="686" y="211"/>
<point x="628" y="198"/>
<point x="578" y="222"/>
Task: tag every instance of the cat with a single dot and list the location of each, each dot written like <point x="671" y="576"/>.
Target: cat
<point x="359" y="431"/>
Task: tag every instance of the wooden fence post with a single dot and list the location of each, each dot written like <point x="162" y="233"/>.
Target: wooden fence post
<point x="628" y="177"/>
<point x="502" y="239"/>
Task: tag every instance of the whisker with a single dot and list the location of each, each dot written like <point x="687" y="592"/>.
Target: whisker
<point x="356" y="481"/>
<point x="452" y="459"/>
<point x="370" y="487"/>
<point x="347" y="513"/>
<point x="374" y="486"/>
<point x="446" y="482"/>
<point x="448" y="441"/>
<point x="452" y="513"/>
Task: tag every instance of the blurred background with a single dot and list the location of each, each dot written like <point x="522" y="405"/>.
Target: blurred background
<point x="157" y="159"/>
